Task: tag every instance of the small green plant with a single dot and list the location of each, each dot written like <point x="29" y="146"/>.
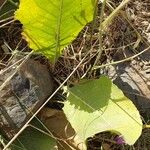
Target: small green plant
<point x="93" y="106"/>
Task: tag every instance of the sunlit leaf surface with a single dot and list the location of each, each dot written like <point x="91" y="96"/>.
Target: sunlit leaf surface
<point x="50" y="25"/>
<point x="99" y="105"/>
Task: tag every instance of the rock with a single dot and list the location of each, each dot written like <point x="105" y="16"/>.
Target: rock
<point x="23" y="94"/>
<point x="132" y="78"/>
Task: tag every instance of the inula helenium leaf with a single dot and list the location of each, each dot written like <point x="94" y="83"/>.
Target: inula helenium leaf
<point x="99" y="105"/>
<point x="50" y="25"/>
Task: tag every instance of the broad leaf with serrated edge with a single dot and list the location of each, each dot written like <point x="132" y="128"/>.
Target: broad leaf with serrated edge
<point x="50" y="25"/>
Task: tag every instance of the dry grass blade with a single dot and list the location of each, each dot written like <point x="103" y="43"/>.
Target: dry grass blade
<point x="109" y="19"/>
<point x="8" y="79"/>
<point x="123" y="60"/>
<point x="7" y="23"/>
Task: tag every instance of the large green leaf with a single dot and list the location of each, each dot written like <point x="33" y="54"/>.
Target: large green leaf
<point x="98" y="105"/>
<point x="50" y="25"/>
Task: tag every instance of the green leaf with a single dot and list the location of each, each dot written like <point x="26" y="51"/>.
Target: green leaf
<point x="51" y="25"/>
<point x="32" y="139"/>
<point x="87" y="96"/>
<point x="99" y="105"/>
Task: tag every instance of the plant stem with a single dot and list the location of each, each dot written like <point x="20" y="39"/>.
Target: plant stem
<point x="100" y="33"/>
<point x="147" y="126"/>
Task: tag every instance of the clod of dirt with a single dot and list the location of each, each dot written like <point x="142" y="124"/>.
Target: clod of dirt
<point x="23" y="94"/>
<point x="61" y="129"/>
